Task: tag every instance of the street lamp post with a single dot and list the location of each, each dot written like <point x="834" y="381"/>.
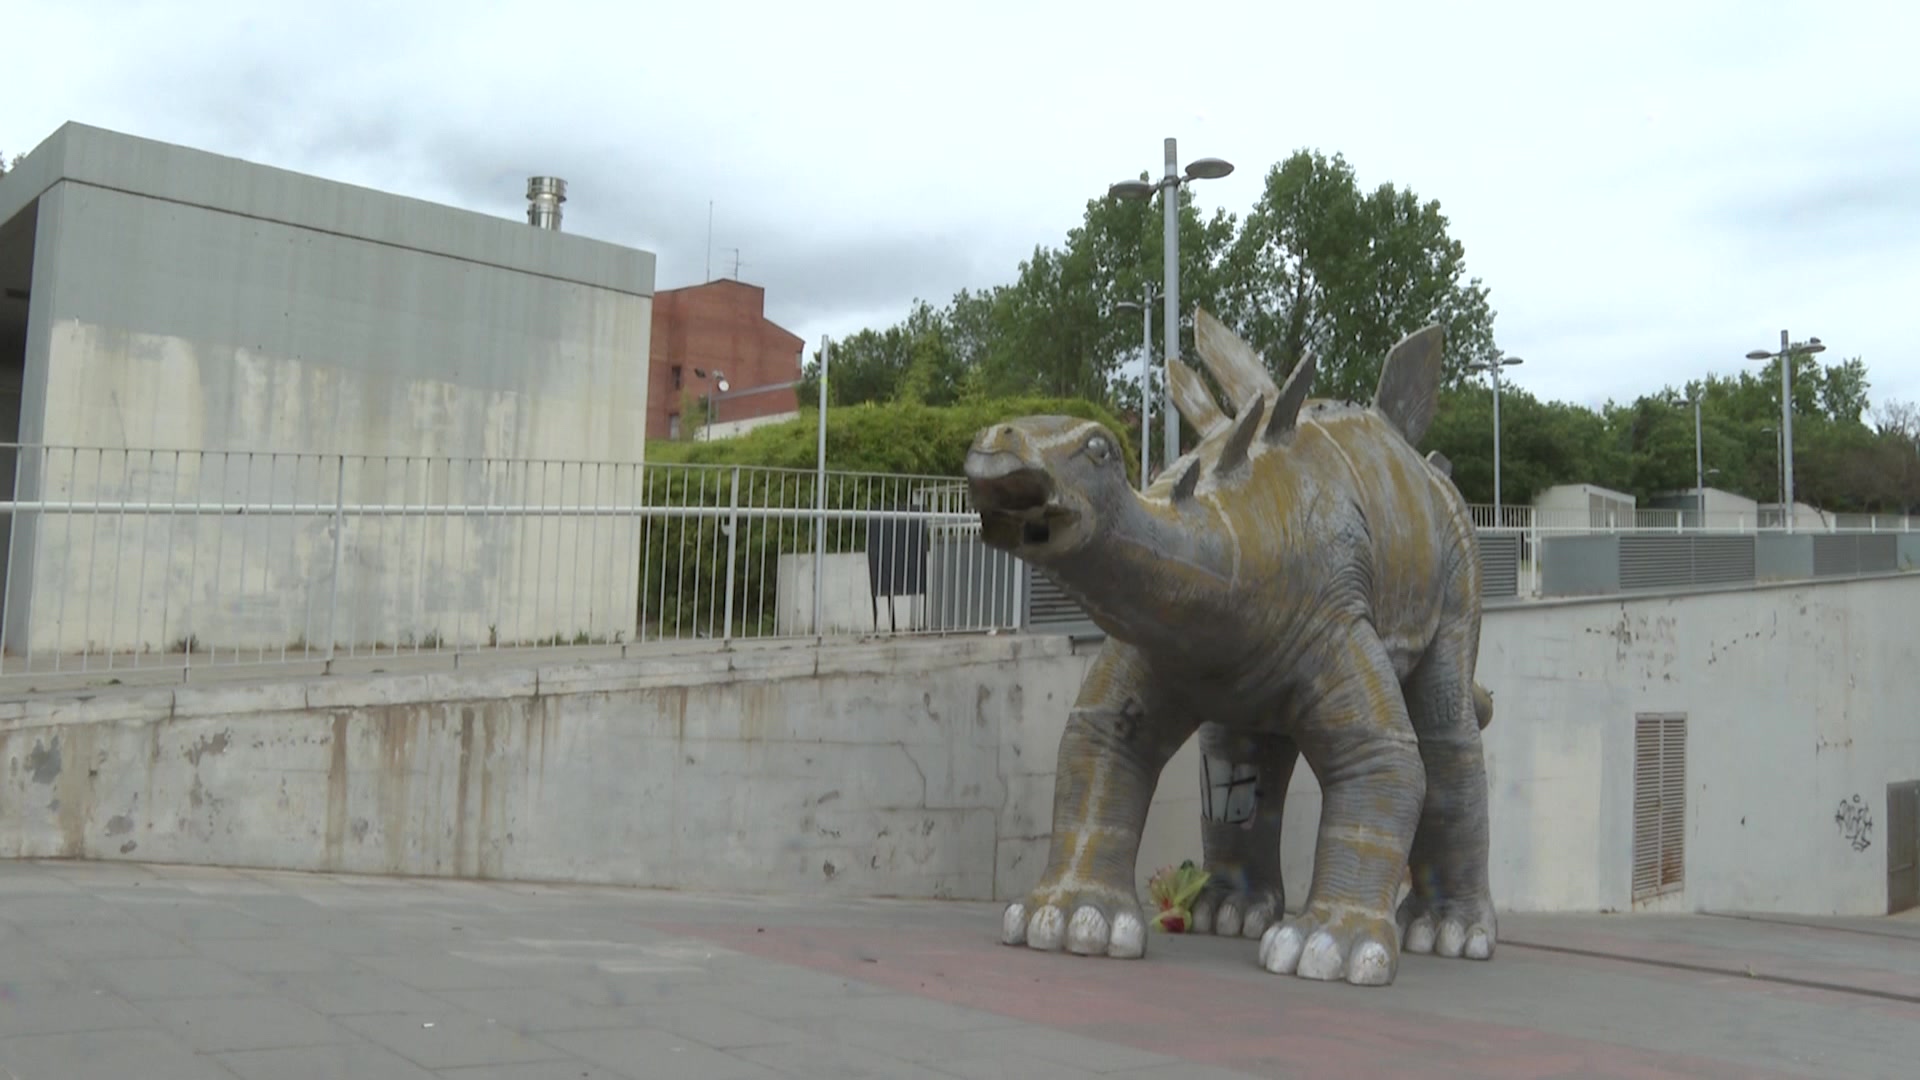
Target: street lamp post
<point x="1492" y="367"/>
<point x="1699" y="467"/>
<point x="1169" y="188"/>
<point x="1145" y="308"/>
<point x="1777" y="464"/>
<point x="1786" y="354"/>
<point x="720" y="382"/>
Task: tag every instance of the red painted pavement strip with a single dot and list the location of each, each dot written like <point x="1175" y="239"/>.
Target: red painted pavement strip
<point x="1189" y="1014"/>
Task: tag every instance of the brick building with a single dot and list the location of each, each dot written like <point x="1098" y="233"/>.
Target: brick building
<point x="719" y="328"/>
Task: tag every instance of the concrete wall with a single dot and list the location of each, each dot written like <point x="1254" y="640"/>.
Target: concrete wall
<point x="729" y="429"/>
<point x="1797" y="698"/>
<point x="918" y="769"/>
<point x="186" y="301"/>
<point x="925" y="768"/>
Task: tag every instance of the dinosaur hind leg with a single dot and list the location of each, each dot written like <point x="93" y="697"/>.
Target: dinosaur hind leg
<point x="1354" y="732"/>
<point x="1244" y="778"/>
<point x="1450" y="907"/>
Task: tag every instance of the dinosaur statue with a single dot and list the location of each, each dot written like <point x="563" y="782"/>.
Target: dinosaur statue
<point x="1302" y="582"/>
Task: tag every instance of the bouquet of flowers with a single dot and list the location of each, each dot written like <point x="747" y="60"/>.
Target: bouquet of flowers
<point x="1174" y="891"/>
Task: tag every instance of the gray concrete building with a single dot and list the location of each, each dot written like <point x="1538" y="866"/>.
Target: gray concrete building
<point x="183" y="327"/>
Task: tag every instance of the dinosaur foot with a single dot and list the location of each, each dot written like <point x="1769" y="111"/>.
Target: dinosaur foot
<point x="1464" y="927"/>
<point x="1236" y="912"/>
<point x="1329" y="943"/>
<point x="1085" y="922"/>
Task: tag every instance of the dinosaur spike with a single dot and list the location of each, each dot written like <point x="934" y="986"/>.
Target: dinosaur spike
<point x="1439" y="461"/>
<point x="1183" y="488"/>
<point x="1233" y="453"/>
<point x="1286" y="408"/>
<point x="1409" y="390"/>
<point x="1237" y="367"/>
<point x="1193" y="399"/>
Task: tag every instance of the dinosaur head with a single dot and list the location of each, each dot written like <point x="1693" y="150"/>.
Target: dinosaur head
<point x="1045" y="484"/>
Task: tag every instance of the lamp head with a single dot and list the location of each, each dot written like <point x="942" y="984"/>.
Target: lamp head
<point x="1208" y="168"/>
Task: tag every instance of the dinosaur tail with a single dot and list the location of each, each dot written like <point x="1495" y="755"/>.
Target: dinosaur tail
<point x="1482" y="706"/>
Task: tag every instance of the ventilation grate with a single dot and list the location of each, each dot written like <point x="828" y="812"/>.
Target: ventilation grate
<point x="1659" y="804"/>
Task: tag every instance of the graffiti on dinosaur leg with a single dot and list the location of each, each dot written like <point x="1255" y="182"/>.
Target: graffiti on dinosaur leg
<point x="1229" y="791"/>
<point x="1855" y="819"/>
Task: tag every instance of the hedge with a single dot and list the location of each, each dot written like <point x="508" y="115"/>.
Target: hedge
<point x="684" y="558"/>
<point x="895" y="437"/>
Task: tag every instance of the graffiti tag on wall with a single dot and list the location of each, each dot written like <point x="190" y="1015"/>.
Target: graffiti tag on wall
<point x="1855" y="819"/>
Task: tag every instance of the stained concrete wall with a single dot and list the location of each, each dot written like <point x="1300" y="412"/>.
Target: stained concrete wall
<point x="1797" y="698"/>
<point x="918" y="769"/>
<point x="925" y="768"/>
<point x="185" y="301"/>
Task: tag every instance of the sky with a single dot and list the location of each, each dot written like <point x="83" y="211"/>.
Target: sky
<point x="1649" y="190"/>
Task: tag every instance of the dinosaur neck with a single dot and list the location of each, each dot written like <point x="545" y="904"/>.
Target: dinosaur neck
<point x="1156" y="576"/>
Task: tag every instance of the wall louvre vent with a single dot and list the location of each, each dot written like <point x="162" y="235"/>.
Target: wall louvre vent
<point x="1499" y="564"/>
<point x="1659" y="804"/>
<point x="1050" y="610"/>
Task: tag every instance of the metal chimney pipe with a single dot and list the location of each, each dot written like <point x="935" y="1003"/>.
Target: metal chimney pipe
<point x="544" y="196"/>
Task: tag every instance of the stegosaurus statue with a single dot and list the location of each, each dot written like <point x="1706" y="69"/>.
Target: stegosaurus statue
<point x="1302" y="582"/>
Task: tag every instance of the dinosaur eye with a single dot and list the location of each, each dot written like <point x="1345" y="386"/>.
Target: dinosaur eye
<point x="1097" y="446"/>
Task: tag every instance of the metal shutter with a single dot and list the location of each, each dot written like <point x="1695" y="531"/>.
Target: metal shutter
<point x="1653" y="562"/>
<point x="1499" y="564"/>
<point x="1050" y="610"/>
<point x="1903" y="846"/>
<point x="1659" y="804"/>
<point x="1723" y="560"/>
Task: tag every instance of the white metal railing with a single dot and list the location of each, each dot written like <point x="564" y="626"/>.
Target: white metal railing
<point x="1764" y="519"/>
<point x="126" y="560"/>
<point x="129" y="560"/>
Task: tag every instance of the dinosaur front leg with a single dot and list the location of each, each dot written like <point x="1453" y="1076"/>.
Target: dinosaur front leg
<point x="1243" y="778"/>
<point x="1450" y="908"/>
<point x="1111" y="755"/>
<point x="1356" y="735"/>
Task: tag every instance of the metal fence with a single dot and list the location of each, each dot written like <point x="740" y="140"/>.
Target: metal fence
<point x="126" y="560"/>
<point x="137" y="560"/>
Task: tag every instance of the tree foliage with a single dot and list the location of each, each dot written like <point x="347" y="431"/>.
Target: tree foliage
<point x="1320" y="263"/>
<point x="901" y="437"/>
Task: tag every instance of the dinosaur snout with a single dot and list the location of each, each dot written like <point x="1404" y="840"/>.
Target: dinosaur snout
<point x="1002" y="482"/>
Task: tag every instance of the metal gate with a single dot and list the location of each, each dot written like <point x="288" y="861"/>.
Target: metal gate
<point x="1903" y="846"/>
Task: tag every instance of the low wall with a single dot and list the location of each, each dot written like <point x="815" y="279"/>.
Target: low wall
<point x="913" y="769"/>
<point x="924" y="768"/>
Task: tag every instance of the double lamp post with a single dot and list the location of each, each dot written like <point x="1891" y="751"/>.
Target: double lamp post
<point x="1168" y="186"/>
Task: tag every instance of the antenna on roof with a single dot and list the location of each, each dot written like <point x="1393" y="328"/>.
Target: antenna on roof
<point x="736" y="263"/>
<point x="709" y="240"/>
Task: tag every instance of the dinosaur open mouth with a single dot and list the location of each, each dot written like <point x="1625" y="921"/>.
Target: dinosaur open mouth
<point x="1015" y="501"/>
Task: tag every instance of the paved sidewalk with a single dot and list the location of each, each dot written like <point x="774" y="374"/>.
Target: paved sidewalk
<point x="167" y="973"/>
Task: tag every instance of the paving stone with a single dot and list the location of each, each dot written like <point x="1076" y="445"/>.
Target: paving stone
<point x="172" y="977"/>
<point x="255" y="1022"/>
<point x="450" y="1038"/>
<point x="541" y="1070"/>
<point x="663" y="1055"/>
<point x="255" y="956"/>
<point x="332" y="1061"/>
<point x="50" y="1008"/>
<point x="350" y="995"/>
<point x="142" y="1054"/>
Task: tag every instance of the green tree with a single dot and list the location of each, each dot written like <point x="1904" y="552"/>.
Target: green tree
<point x="1320" y="265"/>
<point x="1541" y="444"/>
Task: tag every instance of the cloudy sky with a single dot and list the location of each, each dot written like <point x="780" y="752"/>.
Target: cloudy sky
<point x="1649" y="189"/>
